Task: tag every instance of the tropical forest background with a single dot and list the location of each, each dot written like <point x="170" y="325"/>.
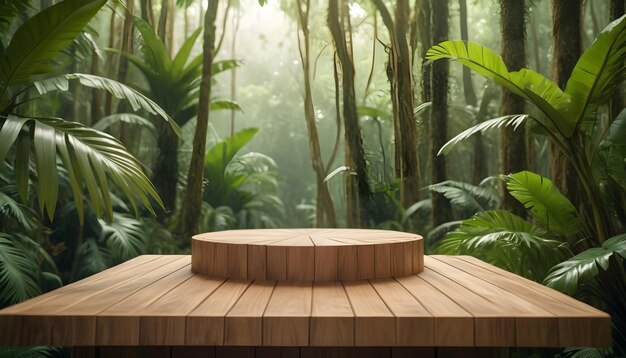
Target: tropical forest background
<point x="494" y="128"/>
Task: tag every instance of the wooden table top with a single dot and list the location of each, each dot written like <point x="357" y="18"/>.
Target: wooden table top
<point x="307" y="254"/>
<point x="159" y="300"/>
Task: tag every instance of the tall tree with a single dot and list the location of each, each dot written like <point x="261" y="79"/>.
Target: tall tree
<point x="441" y="210"/>
<point x="567" y="45"/>
<point x="401" y="79"/>
<point x="423" y="17"/>
<point x="358" y="192"/>
<point x="325" y="211"/>
<point x="190" y="212"/>
<point x="513" y="149"/>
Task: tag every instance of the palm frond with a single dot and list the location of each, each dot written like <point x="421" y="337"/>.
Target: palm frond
<point x="123" y="236"/>
<point x="90" y="157"/>
<point x="534" y="87"/>
<point x="566" y="276"/>
<point x="42" y="37"/>
<point x="545" y="201"/>
<point x="128" y="118"/>
<point x="507" y="241"/>
<point x="18" y="271"/>
<point x="12" y="210"/>
<point x="514" y="120"/>
<point x="117" y="89"/>
<point x="470" y="198"/>
<point x="599" y="70"/>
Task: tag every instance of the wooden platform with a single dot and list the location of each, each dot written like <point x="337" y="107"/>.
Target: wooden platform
<point x="159" y="300"/>
<point x="307" y="254"/>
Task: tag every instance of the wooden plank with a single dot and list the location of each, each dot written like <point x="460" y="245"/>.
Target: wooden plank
<point x="300" y="263"/>
<point x="326" y="267"/>
<point x="454" y="326"/>
<point x="374" y="323"/>
<point x="347" y="263"/>
<point x="193" y="352"/>
<point x="528" y="335"/>
<point x="493" y="324"/>
<point x="62" y="328"/>
<point x="220" y="260"/>
<point x="163" y="321"/>
<point x="276" y="263"/>
<point x="84" y="284"/>
<point x="286" y="318"/>
<point x="366" y="256"/>
<point x="257" y="262"/>
<point x="382" y="261"/>
<point x="119" y="325"/>
<point x="332" y="319"/>
<point x="418" y="255"/>
<point x="415" y="326"/>
<point x="533" y="285"/>
<point x="237" y="261"/>
<point x="276" y="352"/>
<point x="205" y="324"/>
<point x="243" y="326"/>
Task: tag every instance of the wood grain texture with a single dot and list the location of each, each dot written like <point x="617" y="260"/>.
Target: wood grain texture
<point x="160" y="301"/>
<point x="307" y="254"/>
<point x="286" y="318"/>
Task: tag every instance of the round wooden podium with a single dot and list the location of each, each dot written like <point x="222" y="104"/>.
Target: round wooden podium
<point x="307" y="254"/>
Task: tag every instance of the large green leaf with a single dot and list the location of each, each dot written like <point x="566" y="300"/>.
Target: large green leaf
<point x="470" y="198"/>
<point x="566" y="275"/>
<point x="42" y="38"/>
<point x="128" y="118"/>
<point x="91" y="158"/>
<point x="123" y="237"/>
<point x="514" y="120"/>
<point x="598" y="71"/>
<point x="119" y="90"/>
<point x="532" y="86"/>
<point x="545" y="201"/>
<point x="153" y="49"/>
<point x="18" y="271"/>
<point x="507" y="241"/>
<point x="181" y="58"/>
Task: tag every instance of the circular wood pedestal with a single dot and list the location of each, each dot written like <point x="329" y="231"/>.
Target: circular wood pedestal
<point x="307" y="254"/>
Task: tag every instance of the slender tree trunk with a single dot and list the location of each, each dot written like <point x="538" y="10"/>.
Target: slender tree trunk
<point x="122" y="70"/>
<point x="146" y="12"/>
<point x="193" y="196"/>
<point x="425" y="38"/>
<point x="233" y="71"/>
<point x="165" y="168"/>
<point x="163" y="17"/>
<point x="441" y="211"/>
<point x="401" y="80"/>
<point x="513" y="142"/>
<point x="566" y="35"/>
<point x="110" y="64"/>
<point x="325" y="211"/>
<point x="468" y="86"/>
<point x="355" y="155"/>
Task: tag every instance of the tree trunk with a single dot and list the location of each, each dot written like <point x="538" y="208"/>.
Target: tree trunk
<point x="441" y="211"/>
<point x="405" y="129"/>
<point x="566" y="18"/>
<point x="357" y="188"/>
<point x="162" y="25"/>
<point x="512" y="142"/>
<point x="325" y="211"/>
<point x="423" y="19"/>
<point x="122" y="70"/>
<point x="146" y="12"/>
<point x="110" y="64"/>
<point x="190" y="213"/>
<point x="468" y="86"/>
